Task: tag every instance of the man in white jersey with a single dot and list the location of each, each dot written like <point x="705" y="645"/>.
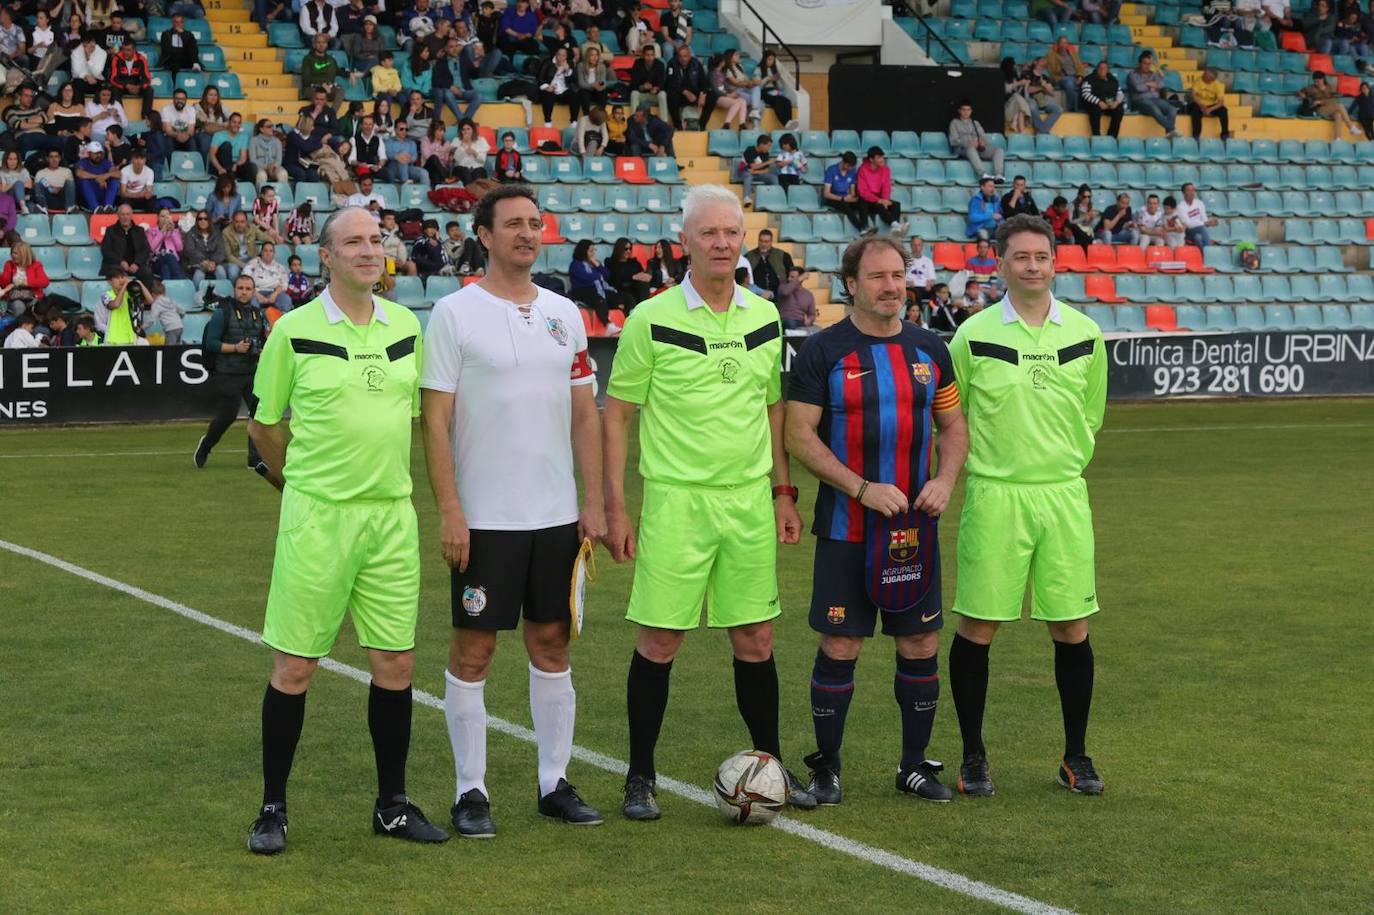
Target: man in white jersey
<point x="507" y="400"/>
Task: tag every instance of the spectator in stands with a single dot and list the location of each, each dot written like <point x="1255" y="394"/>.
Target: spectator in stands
<point x="1117" y="225"/>
<point x="1196" y="222"/>
<point x="1352" y="35"/>
<point x="1052" y="11"/>
<point x="1150" y="222"/>
<point x="1018" y="200"/>
<point x="21" y="334"/>
<point x="428" y="251"/>
<point x="1061" y="222"/>
<point x="945" y="314"/>
<point x="54" y="187"/>
<point x="368" y="152"/>
<point x="468" y="153"/>
<point x="750" y="88"/>
<point x="105" y="112"/>
<point x="1066" y="69"/>
<point x="488" y="26"/>
<point x="1319" y="27"/>
<point x="1362" y="110"/>
<point x="984" y="210"/>
<point x="773" y="90"/>
<point x="1044" y="104"/>
<point x="687" y="85"/>
<point x="984" y="262"/>
<point x="1016" y="91"/>
<point x="15" y="180"/>
<point x="1085" y="216"/>
<point x="122" y="307"/>
<point x="509" y="165"/>
<point x="202" y="252"/>
<point x="86" y="334"/>
<point x="65" y="112"/>
<point x="874" y="185"/>
<point x="634" y="31"/>
<point x="300" y="223"/>
<point x="97" y="180"/>
<point x="920" y="271"/>
<point x="617" y="130"/>
<point x="224" y="202"/>
<point x="178" y="133"/>
<point x="42" y="41"/>
<point x="386" y="80"/>
<point x="25" y="118"/>
<point x="60" y="332"/>
<point x="796" y="304"/>
<point x="1145" y="92"/>
<point x="402" y="154"/>
<point x="1321" y="98"/>
<point x="557" y="34"/>
<point x="1209" y="100"/>
<point x="1102" y="95"/>
<point x="416" y="113"/>
<point x="768" y="265"/>
<point x="593" y="80"/>
<point x="230" y="151"/>
<point x="593" y="40"/>
<point x="22" y="279"/>
<point x="298" y="285"/>
<point x="265" y="211"/>
<point x="590" y="284"/>
<point x="269" y="278"/>
<point x="367" y="198"/>
<point x="730" y="100"/>
<point x="166" y="312"/>
<point x="364" y="47"/>
<point x="674" y="28"/>
<point x="266" y="153"/>
<point x="125" y="247"/>
<point x="757" y="166"/>
<point x="464" y="253"/>
<point x="968" y="139"/>
<point x="628" y="275"/>
<point x="130" y="75"/>
<point x="136" y="183"/>
<point x="241" y="242"/>
<point x="88" y="65"/>
<point x="75" y="143"/>
<point x="164" y="247"/>
<point x="319" y="18"/>
<point x="9" y="218"/>
<point x="840" y="191"/>
<point x="320" y="71"/>
<point x="518" y="26"/>
<point x="192" y="9"/>
<point x="178" y="49"/>
<point x="479" y="61"/>
<point x="1100" y="12"/>
<point x="975" y="300"/>
<point x="558" y="86"/>
<point x="450" y="86"/>
<point x="648" y="78"/>
<point x="791" y="162"/>
<point x="648" y="134"/>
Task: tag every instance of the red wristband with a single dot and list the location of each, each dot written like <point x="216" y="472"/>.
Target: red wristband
<point x="786" y="491"/>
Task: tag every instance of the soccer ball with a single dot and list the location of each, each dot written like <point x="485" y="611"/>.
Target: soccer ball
<point x="751" y="787"/>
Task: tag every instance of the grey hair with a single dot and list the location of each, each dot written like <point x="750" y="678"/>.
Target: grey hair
<point x="704" y="195"/>
<point x="326" y="232"/>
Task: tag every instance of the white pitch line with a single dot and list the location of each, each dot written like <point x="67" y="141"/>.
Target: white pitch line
<point x="949" y="880"/>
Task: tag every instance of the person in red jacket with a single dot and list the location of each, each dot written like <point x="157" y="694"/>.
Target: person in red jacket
<point x="22" y="280"/>
<point x="875" y="193"/>
<point x="131" y="75"/>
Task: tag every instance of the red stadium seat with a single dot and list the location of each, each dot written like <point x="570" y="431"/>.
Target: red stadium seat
<point x="642" y="253"/>
<point x="1348" y="85"/>
<point x="1103" y="258"/>
<point x="1369" y="229"/>
<point x="469" y="280"/>
<point x="1293" y="41"/>
<point x="1191" y="256"/>
<point x="949" y="255"/>
<point x="1101" y="287"/>
<point x="632" y="170"/>
<point x="1157" y="253"/>
<point x="592" y="323"/>
<point x="617" y="316"/>
<point x="1131" y="259"/>
<point x="622" y="64"/>
<point x="1161" y="317"/>
<point x="551" y="235"/>
<point x="1320" y="62"/>
<point x="541" y="135"/>
<point x="490" y="135"/>
<point x="655" y="4"/>
<point x="103" y="221"/>
<point x="650" y="15"/>
<point x="1070" y="258"/>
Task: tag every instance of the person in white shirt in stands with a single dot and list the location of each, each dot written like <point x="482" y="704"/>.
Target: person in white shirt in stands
<point x="105" y="112"/>
<point x="1193" y="213"/>
<point x="920" y="275"/>
<point x="1150" y="222"/>
<point x="88" y="66"/>
<point x="136" y="183"/>
<point x="22" y="336"/>
<point x="319" y="17"/>
<point x="367" y="198"/>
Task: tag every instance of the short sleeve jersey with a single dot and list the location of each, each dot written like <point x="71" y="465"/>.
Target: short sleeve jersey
<point x="1035" y="397"/>
<point x="705" y="382"/>
<point x="840" y="182"/>
<point x="511" y="372"/>
<point x="352" y="392"/>
<point x="878" y="397"/>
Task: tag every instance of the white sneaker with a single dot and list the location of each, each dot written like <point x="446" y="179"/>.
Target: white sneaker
<point x="612" y="329"/>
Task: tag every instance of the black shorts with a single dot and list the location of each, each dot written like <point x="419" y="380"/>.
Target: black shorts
<point x="840" y="604"/>
<point x="513" y="570"/>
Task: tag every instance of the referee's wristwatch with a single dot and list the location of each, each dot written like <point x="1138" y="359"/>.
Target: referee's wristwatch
<point x="792" y="491"/>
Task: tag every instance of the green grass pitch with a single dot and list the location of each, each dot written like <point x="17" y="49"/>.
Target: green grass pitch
<point x="1231" y="719"/>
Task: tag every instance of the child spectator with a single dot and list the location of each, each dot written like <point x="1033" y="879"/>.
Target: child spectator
<point x="86" y="334"/>
<point x="166" y="312"/>
<point x="509" y="166"/>
<point x="791" y="162"/>
<point x="298" y="285"/>
<point x="300" y="223"/>
<point x="463" y="253"/>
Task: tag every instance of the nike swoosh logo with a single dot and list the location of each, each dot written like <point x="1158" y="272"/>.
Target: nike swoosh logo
<point x="926" y="619"/>
<point x="852" y="375"/>
<point x="399" y="821"/>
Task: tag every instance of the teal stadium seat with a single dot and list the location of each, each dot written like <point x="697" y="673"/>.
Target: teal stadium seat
<point x="1336" y="317"/>
<point x="664" y="170"/>
<point x="1249" y="317"/>
<point x="589" y="198"/>
<point x="436" y="287"/>
<point x="84" y="262"/>
<point x="599" y="170"/>
<point x="34" y="229"/>
<point x="310" y="259"/>
<point x="823" y="257"/>
<point x="1278" y="317"/>
<point x="623" y="198"/>
<point x="54" y="261"/>
<point x="1219" y="318"/>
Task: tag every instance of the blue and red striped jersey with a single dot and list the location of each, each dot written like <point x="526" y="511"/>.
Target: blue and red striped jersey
<point x="877" y="397"/>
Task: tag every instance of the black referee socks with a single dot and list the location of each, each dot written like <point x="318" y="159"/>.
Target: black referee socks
<point x="283" y="716"/>
<point x="968" y="681"/>
<point x="1073" y="674"/>
<point x="388" y="718"/>
<point x="756" y="694"/>
<point x="646" y="700"/>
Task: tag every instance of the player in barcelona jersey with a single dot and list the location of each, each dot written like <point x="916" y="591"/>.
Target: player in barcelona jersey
<point x="702" y="362"/>
<point x="347" y="366"/>
<point x="507" y="400"/>
<point x="865" y="399"/>
<point x="1033" y="374"/>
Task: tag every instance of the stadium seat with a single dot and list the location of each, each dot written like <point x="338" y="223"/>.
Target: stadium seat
<point x="823" y="257"/>
<point x="1278" y="317"/>
<point x="409" y="291"/>
<point x="1102" y="288"/>
<point x="34" y="229"/>
<point x="950" y="256"/>
<point x="54" y="261"/>
<point x="906" y="144"/>
<point x="1307" y="317"/>
<point x="1336" y="317"/>
<point x="1191" y="257"/>
<point x="1161" y="318"/>
<point x="661" y="200"/>
<point x="1130" y="318"/>
<point x="1218" y="317"/>
<point x="1305" y="287"/>
<point x="1218" y="288"/>
<point x="644" y="228"/>
<point x="599" y="169"/>
<point x="664" y="170"/>
<point x="193" y="327"/>
<point x="1220" y="257"/>
<point x="436" y="287"/>
<point x="1327" y="259"/>
<point x="832" y="227"/>
<point x="538" y="169"/>
<point x="622" y="198"/>
<point x="188" y="166"/>
<point x="1103" y="258"/>
<point x="564" y="169"/>
<point x="551" y="234"/>
<point x="84" y="262"/>
<point x="1362" y="316"/>
<point x="589" y="198"/>
<point x="796" y="227"/>
<point x="805" y="198"/>
<point x="1190" y="317"/>
<point x="1129" y="286"/>
<point x="770" y="198"/>
<point x="310" y="259"/>
<point x="1247" y="288"/>
<point x="1070" y="257"/>
<point x="1103" y="315"/>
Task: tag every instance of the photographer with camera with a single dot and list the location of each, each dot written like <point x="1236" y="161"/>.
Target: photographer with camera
<point x="233" y="343"/>
<point x="120" y="313"/>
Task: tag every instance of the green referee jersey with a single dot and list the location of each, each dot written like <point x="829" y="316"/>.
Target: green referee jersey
<point x="352" y="391"/>
<point x="1034" y="396"/>
<point x="705" y="381"/>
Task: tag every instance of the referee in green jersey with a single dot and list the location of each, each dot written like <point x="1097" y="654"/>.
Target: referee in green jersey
<point x="1033" y="375"/>
<point x="347" y="365"/>
<point x="702" y="362"/>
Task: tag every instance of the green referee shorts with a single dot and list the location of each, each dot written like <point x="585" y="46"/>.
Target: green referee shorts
<point x="361" y="556"/>
<point x="715" y="543"/>
<point x="1013" y="532"/>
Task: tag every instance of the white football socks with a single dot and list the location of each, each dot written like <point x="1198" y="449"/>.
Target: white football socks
<point x="553" y="706"/>
<point x="466" y="712"/>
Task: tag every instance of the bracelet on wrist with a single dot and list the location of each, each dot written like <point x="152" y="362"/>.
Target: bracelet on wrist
<point x="863" y="488"/>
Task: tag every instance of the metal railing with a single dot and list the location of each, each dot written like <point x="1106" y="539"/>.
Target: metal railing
<point x="930" y="33"/>
<point x="776" y="45"/>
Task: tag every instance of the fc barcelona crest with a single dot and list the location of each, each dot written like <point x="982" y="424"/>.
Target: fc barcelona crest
<point x="835" y="615"/>
<point x="902" y="547"/>
<point x="921" y="372"/>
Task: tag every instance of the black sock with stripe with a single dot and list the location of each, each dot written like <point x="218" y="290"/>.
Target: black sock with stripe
<point x="917" y="688"/>
<point x="832" y="688"/>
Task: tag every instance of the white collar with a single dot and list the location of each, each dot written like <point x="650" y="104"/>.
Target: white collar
<point x="1009" y="315"/>
<point x="332" y="312"/>
<point x="694" y="299"/>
